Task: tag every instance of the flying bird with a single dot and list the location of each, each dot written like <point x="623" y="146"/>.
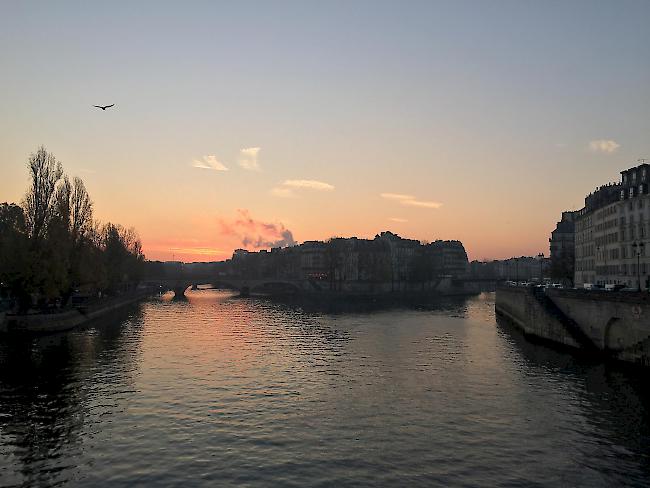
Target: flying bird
<point x="104" y="107"/>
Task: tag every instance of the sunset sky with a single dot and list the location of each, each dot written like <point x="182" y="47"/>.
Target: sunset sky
<point x="251" y="124"/>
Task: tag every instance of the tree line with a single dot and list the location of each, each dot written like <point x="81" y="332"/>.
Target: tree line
<point x="51" y="247"/>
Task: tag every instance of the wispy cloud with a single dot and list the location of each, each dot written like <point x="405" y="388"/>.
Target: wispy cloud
<point x="283" y="192"/>
<point x="248" y="158"/>
<point x="396" y="196"/>
<point x="421" y="203"/>
<point x="209" y="162"/>
<point x="410" y="200"/>
<point x="308" y="184"/>
<point x="255" y="234"/>
<point x="397" y="219"/>
<point x="604" y="145"/>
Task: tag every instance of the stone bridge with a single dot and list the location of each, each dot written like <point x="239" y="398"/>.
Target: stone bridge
<point x="243" y="286"/>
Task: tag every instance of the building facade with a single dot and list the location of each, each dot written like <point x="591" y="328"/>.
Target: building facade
<point x="562" y="240"/>
<point x="388" y="258"/>
<point x="611" y="233"/>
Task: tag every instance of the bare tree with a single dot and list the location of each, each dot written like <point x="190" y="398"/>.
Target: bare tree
<point x="81" y="211"/>
<point x="62" y="201"/>
<point x="45" y="172"/>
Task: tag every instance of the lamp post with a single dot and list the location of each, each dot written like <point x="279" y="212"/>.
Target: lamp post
<point x="540" y="256"/>
<point x="638" y="248"/>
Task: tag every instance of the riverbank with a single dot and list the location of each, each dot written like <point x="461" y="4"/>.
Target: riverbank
<point x="606" y="324"/>
<point x="68" y="319"/>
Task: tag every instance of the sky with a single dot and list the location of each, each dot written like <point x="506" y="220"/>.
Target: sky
<point x="257" y="124"/>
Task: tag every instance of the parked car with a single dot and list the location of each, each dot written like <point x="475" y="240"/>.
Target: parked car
<point x="614" y="287"/>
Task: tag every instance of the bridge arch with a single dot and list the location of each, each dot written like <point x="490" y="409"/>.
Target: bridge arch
<point x="607" y="335"/>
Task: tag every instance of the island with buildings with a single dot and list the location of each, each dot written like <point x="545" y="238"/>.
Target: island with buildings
<point x="385" y="265"/>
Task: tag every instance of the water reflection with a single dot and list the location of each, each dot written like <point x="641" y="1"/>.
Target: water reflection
<point x="612" y="402"/>
<point x="230" y="391"/>
<point x="48" y="394"/>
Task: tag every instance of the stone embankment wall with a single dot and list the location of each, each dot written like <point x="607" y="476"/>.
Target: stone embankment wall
<point x="616" y="323"/>
<point x="519" y="306"/>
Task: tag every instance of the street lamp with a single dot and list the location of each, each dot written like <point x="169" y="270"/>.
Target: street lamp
<point x="540" y="256"/>
<point x="597" y="259"/>
<point x="638" y="248"/>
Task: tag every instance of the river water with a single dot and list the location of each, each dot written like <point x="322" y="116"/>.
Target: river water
<point x="224" y="391"/>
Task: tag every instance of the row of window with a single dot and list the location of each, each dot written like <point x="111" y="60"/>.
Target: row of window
<point x="586" y="265"/>
<point x="633" y="175"/>
<point x="585" y="251"/>
<point x="607" y="225"/>
<point x="625" y="269"/>
<point x="632" y="233"/>
<point x="633" y="191"/>
<point x="633" y="218"/>
<point x="629" y="206"/>
<point x="606" y="254"/>
<point x="606" y="212"/>
<point x="626" y="251"/>
<point x="607" y="239"/>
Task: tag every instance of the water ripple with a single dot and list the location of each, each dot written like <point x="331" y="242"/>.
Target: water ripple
<point x="224" y="391"/>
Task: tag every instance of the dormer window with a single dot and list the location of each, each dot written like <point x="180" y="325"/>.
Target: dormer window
<point x="634" y="176"/>
<point x="643" y="174"/>
<point x="624" y="178"/>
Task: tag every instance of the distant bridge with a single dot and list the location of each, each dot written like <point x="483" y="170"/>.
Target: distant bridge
<point x="244" y="286"/>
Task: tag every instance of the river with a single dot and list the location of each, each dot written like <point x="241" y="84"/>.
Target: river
<point x="224" y="391"/>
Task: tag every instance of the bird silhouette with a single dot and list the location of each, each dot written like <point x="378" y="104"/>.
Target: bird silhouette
<point x="104" y="107"/>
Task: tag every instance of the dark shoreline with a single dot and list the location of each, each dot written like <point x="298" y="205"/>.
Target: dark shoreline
<point x="43" y="323"/>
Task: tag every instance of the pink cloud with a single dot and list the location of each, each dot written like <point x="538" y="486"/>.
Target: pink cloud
<point x="256" y="234"/>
